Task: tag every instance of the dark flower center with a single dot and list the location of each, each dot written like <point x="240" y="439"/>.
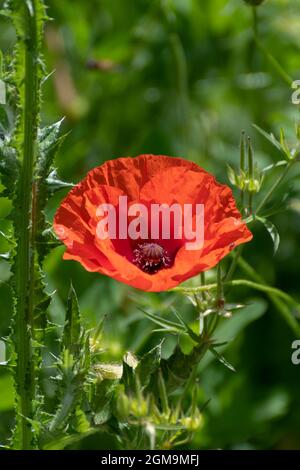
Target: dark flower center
<point x="151" y="257"/>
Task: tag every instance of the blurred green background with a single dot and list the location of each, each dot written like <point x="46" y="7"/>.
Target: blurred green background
<point x="182" y="78"/>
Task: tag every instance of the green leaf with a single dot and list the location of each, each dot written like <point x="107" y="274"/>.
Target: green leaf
<point x="46" y="182"/>
<point x="169" y="326"/>
<point x="178" y="367"/>
<point x="9" y="168"/>
<point x="7" y="392"/>
<point x="222" y="360"/>
<point x="2" y="92"/>
<point x="270" y="137"/>
<point x="48" y="138"/>
<point x="189" y="331"/>
<point x="275" y="165"/>
<point x="102" y="396"/>
<point x="70" y="388"/>
<point x="130" y="363"/>
<point x="284" y="144"/>
<point x="231" y="175"/>
<point x="148" y="364"/>
<point x="61" y="440"/>
<point x="72" y="330"/>
<point x="55" y="184"/>
<point x="272" y="230"/>
<point x="128" y="377"/>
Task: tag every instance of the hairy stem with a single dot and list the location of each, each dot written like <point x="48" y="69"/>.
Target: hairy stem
<point x="240" y="282"/>
<point x="24" y="259"/>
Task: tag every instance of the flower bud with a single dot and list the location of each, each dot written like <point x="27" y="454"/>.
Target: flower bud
<point x="139" y="407"/>
<point x="192" y="423"/>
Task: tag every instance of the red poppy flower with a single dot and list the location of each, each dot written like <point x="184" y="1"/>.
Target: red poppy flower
<point x="150" y="264"/>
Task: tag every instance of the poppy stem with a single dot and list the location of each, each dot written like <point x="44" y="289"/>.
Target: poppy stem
<point x="242" y="164"/>
<point x="220" y="290"/>
<point x="202" y="278"/>
<point x="233" y="264"/>
<point x="240" y="282"/>
<point x="251" y="174"/>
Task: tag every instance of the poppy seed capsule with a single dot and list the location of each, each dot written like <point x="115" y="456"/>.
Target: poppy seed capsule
<point x="151" y="257"/>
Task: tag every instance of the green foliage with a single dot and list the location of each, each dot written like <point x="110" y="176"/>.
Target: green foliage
<point x="156" y="78"/>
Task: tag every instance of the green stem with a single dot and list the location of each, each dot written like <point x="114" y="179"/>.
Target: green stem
<point x="24" y="259"/>
<point x="220" y="291"/>
<point x="251" y="174"/>
<point x="239" y="282"/>
<point x="233" y="264"/>
<point x="202" y="278"/>
<point x="242" y="165"/>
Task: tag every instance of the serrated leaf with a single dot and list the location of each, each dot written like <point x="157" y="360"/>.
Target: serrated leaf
<point x="55" y="184"/>
<point x="48" y="137"/>
<point x="103" y="415"/>
<point x="70" y="388"/>
<point x="61" y="440"/>
<point x="48" y="144"/>
<point x="103" y="394"/>
<point x="272" y="230"/>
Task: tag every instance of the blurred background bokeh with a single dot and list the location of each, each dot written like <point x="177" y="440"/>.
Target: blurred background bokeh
<point x="182" y="78"/>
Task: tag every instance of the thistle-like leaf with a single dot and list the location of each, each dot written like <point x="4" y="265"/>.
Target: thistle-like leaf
<point x="48" y="144"/>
